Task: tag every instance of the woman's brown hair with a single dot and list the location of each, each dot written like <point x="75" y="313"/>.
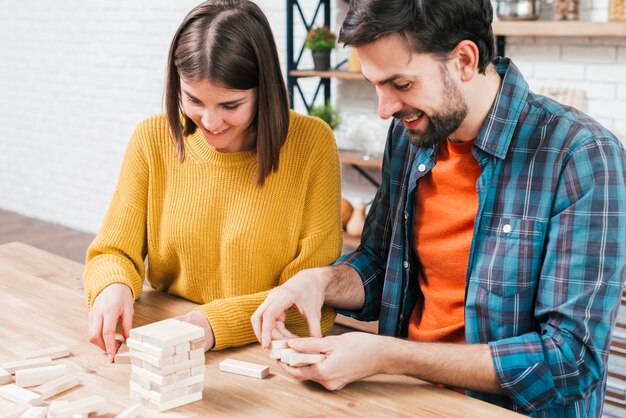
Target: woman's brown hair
<point x="230" y="42"/>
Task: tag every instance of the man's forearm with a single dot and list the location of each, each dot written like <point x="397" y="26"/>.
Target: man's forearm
<point x="343" y="287"/>
<point x="455" y="365"/>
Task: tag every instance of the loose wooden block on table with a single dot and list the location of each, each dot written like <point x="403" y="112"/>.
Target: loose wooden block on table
<point x="12" y="410"/>
<point x="17" y="394"/>
<point x="80" y="406"/>
<point x="5" y="377"/>
<point x="122" y="356"/>
<point x="35" y="412"/>
<point x="58" y="351"/>
<point x="39" y="375"/>
<point x="12" y="366"/>
<point x="56" y="386"/>
<point x="54" y="405"/>
<point x="131" y="412"/>
<point x="244" y="368"/>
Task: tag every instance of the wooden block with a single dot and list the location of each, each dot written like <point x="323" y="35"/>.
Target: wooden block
<point x="244" y="368"/>
<point x="278" y="344"/>
<point x="35" y="412"/>
<point x="122" y="356"/>
<point x="159" y="362"/>
<point x="54" y="405"/>
<point x="193" y="380"/>
<point x="198" y="370"/>
<point x="175" y="334"/>
<point x="139" y="332"/>
<point x="56" y="386"/>
<point x="17" y="394"/>
<point x="153" y="377"/>
<point x="276" y="354"/>
<point x="12" y="410"/>
<point x="197" y="354"/>
<point x="181" y="366"/>
<point x="183" y="374"/>
<point x="195" y="344"/>
<point x="182" y="348"/>
<point x="131" y="411"/>
<point x="167" y="333"/>
<point x="12" y="366"/>
<point x="305" y="359"/>
<point x="80" y="406"/>
<point x="39" y="375"/>
<point x="58" y="351"/>
<point x="165" y="406"/>
<point x="5" y="377"/>
<point x="150" y="349"/>
<point x="285" y="355"/>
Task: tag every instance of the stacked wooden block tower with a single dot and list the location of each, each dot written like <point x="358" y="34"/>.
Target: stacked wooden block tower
<point x="167" y="364"/>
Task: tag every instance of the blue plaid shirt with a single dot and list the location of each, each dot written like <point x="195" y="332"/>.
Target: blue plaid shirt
<point x="547" y="258"/>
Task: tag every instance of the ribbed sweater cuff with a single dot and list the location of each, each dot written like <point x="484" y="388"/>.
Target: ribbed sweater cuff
<point x="102" y="272"/>
<point x="229" y="327"/>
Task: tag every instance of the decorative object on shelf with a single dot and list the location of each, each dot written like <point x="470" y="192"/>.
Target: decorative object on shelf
<point x="364" y="132"/>
<point x="566" y="10"/>
<point x="518" y="9"/>
<point x="356" y="222"/>
<point x="346" y="212"/>
<point x="320" y="40"/>
<point x="354" y="63"/>
<point x="327" y="113"/>
<point x="617" y="10"/>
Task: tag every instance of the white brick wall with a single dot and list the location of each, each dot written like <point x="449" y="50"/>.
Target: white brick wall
<point x="77" y="76"/>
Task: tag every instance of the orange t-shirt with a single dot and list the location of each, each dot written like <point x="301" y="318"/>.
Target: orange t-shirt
<point x="445" y="209"/>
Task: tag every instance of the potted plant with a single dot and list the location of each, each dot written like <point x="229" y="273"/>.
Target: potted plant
<point x="320" y="40"/>
<point x="327" y="113"/>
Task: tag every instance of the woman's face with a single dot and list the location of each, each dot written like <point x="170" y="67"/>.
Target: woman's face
<point x="224" y="116"/>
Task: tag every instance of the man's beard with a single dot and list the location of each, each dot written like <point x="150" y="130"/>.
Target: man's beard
<point x="442" y="124"/>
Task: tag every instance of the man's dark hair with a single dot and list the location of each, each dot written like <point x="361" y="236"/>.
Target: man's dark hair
<point x="429" y="26"/>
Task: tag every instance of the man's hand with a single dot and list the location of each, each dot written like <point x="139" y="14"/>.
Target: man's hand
<point x="199" y="319"/>
<point x="114" y="302"/>
<point x="305" y="291"/>
<point x="349" y="357"/>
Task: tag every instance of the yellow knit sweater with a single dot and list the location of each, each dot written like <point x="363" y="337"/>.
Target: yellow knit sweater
<point x="210" y="234"/>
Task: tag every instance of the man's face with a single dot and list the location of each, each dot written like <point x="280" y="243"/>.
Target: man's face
<point x="416" y="88"/>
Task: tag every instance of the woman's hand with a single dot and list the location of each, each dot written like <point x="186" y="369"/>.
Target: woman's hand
<point x="114" y="302"/>
<point x="198" y="318"/>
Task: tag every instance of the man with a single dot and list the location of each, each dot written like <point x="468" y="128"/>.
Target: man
<point x="495" y="248"/>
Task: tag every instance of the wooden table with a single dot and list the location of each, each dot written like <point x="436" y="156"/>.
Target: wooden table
<point x="42" y="304"/>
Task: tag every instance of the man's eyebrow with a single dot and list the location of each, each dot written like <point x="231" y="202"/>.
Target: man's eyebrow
<point x="386" y="80"/>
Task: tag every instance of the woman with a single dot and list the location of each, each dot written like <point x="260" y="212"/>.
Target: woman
<point x="202" y="194"/>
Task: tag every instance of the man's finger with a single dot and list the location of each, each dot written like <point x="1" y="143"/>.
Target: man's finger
<point x="257" y="317"/>
<point x="313" y="322"/>
<point x="281" y="332"/>
<point x="302" y="373"/>
<point x="270" y="316"/>
<point x="311" y="345"/>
